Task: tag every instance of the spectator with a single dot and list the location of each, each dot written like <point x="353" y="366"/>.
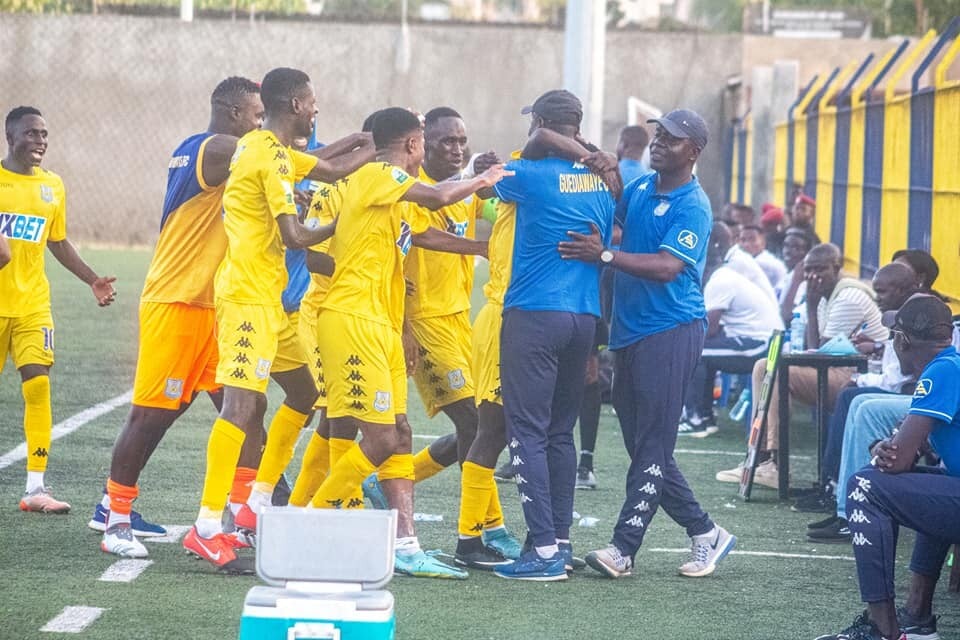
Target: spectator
<point x="632" y="153"/>
<point x="893" y="284"/>
<point x="923" y="265"/>
<point x="741" y="215"/>
<point x="792" y="290"/>
<point x="740" y="319"/>
<point x="804" y="213"/>
<point x="753" y="242"/>
<point x="771" y="221"/>
<point x="741" y="262"/>
<point x="894" y="492"/>
<point x="836" y="306"/>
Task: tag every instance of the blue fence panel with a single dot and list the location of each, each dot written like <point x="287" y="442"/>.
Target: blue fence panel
<point x="921" y="169"/>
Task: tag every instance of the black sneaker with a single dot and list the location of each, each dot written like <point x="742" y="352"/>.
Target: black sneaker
<point x="281" y="493"/>
<point x="816" y="503"/>
<point x="826" y="522"/>
<point x="837" y="533"/>
<point x="916" y="628"/>
<point x="476" y="555"/>
<point x="586" y="479"/>
<point x="505" y="473"/>
<point x="861" y="629"/>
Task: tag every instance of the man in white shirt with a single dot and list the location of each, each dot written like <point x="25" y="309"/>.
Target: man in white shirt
<point x="740" y="261"/>
<point x="740" y="319"/>
<point x="752" y="242"/>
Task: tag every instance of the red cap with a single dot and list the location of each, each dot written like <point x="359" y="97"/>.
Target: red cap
<point x="771" y="214"/>
<point x="806" y="199"/>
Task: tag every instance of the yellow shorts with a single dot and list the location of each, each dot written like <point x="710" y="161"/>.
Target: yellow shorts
<point x="443" y="375"/>
<point x="364" y="368"/>
<point x="178" y="354"/>
<point x="254" y="340"/>
<point x="486" y="353"/>
<point x="307" y="330"/>
<point x="29" y="339"/>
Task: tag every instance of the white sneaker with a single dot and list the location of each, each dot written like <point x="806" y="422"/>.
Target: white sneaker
<point x="610" y="562"/>
<point x="706" y="551"/>
<point x="765" y="475"/>
<point x="730" y="475"/>
<point x="119" y="541"/>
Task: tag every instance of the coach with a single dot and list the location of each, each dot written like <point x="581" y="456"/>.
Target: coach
<point x="657" y="333"/>
<point x="550" y="313"/>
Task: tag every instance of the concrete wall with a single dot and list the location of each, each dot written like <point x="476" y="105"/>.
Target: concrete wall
<point x="120" y="92"/>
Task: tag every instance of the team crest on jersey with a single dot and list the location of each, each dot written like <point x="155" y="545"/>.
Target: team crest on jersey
<point x="661" y="209"/>
<point x="399" y="175"/>
<point x="381" y="401"/>
<point x="46" y="193"/>
<point x="263" y="369"/>
<point x="405" y="239"/>
<point x="456" y="380"/>
<point x="688" y="239"/>
<point x="174" y="388"/>
<point x="924" y="388"/>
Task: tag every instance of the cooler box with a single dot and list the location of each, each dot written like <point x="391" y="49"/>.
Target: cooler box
<point x="325" y="570"/>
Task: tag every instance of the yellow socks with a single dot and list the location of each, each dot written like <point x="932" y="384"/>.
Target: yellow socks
<point x="346" y="476"/>
<point x="37" y="421"/>
<point x="223" y="451"/>
<point x="316" y="465"/>
<point x="399" y="466"/>
<point x="477" y="487"/>
<point x="281" y="440"/>
<point x="494" y="510"/>
<point x="424" y="466"/>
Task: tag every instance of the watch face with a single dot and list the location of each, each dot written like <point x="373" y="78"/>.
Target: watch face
<point x="606" y="256"/>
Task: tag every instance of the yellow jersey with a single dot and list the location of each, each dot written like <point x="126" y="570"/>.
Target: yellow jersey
<point x="32" y="211"/>
<point x="374" y="234"/>
<point x="500" y="252"/>
<point x="443" y="281"/>
<point x="192" y="241"/>
<point x="263" y="172"/>
<point x="325" y="202"/>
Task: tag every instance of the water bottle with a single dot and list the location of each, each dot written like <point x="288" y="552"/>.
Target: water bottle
<point x="798" y="333"/>
<point x="739" y="410"/>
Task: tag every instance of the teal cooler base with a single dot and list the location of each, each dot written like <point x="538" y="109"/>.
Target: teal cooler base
<point x="283" y="614"/>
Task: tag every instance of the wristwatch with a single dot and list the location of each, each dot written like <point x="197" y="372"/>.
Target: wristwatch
<point x="606" y="256"/>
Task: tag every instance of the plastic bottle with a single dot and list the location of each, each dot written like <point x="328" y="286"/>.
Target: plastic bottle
<point x="798" y="333"/>
<point x="739" y="410"/>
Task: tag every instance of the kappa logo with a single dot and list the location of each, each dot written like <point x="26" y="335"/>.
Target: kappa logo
<point x="648" y="489"/>
<point x="524" y="498"/>
<point x="661" y="209"/>
<point x="280" y="155"/>
<point x="924" y="388"/>
<point x="427" y="365"/>
<point x="242" y="359"/>
<point x="516" y="461"/>
<point x="263" y="369"/>
<point x="863" y="483"/>
<point x="858" y="517"/>
<point x="246" y="327"/>
<point x="860" y="540"/>
<point x="355" y="376"/>
<point x="173" y="389"/>
<point x="399" y="175"/>
<point x="356" y="391"/>
<point x="354" y="360"/>
<point x="520" y="479"/>
<point x="514" y="443"/>
<point x="439" y="392"/>
<point x="243" y="343"/>
<point x="477" y="527"/>
<point x="643" y="506"/>
<point x="434" y="378"/>
<point x="357" y="405"/>
<point x="636" y="522"/>
<point x="355" y="503"/>
<point x="688" y="239"/>
<point x="857" y="496"/>
<point x="381" y="401"/>
<point x="46" y="193"/>
<point x="497" y="392"/>
<point x="239" y="374"/>
<point x="456" y="380"/>
<point x="654" y="470"/>
<point x="40" y="452"/>
<point x="336" y="503"/>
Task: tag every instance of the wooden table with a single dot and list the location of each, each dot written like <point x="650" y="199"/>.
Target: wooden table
<point x="822" y="362"/>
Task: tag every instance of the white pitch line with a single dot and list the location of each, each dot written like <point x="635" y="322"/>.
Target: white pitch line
<point x="125" y="570"/>
<point x="69" y="425"/>
<point x="719" y="452"/>
<point x="424" y="436"/>
<point x="73" y="620"/>
<point x="768" y="554"/>
<point x="174" y="533"/>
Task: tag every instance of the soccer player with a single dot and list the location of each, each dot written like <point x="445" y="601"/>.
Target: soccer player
<point x="364" y="367"/>
<point x="894" y="492"/>
<point x="658" y="331"/>
<point x="255" y="339"/>
<point x="33" y="205"/>
<point x="549" y="319"/>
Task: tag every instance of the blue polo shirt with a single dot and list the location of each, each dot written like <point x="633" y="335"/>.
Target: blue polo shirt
<point x="678" y="222"/>
<point x="631" y="169"/>
<point x="554" y="196"/>
<point x="937" y="396"/>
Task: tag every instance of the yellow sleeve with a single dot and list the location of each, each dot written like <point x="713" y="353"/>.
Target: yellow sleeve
<point x="278" y="185"/>
<point x="324" y="209"/>
<point x="417" y="217"/>
<point x="303" y="163"/>
<point x="58" y="225"/>
<point x="385" y="184"/>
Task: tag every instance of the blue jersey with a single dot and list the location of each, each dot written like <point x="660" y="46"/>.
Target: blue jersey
<point x="554" y="196"/>
<point x="298" y="277"/>
<point x="631" y="169"/>
<point x="678" y="222"/>
<point x="937" y="396"/>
